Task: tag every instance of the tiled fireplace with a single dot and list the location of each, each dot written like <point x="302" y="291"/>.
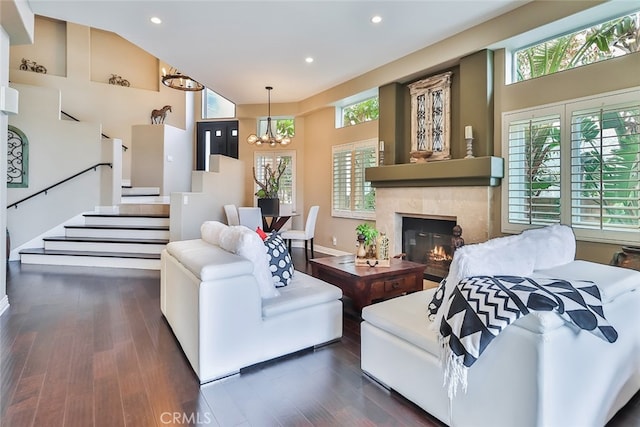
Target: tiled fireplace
<point x="429" y="241"/>
<point x="467" y="206"/>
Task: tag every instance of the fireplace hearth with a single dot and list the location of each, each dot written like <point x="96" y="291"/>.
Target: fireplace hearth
<point x="430" y="242"/>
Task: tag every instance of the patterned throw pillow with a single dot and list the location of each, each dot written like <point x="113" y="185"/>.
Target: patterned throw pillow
<point x="436" y="301"/>
<point x="279" y="260"/>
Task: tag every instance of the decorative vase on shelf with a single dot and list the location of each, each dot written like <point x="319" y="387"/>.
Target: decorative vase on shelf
<point x="629" y="257"/>
<point x="420" y="156"/>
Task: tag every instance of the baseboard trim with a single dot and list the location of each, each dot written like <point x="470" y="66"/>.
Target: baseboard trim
<point x="330" y="251"/>
<point x="322" y="249"/>
<point x="4" y="304"/>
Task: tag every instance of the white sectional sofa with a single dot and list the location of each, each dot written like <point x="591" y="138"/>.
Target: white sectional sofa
<point x="539" y="371"/>
<point x="227" y="315"/>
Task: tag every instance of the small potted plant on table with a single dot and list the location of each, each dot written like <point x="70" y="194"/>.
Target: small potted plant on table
<point x="268" y="200"/>
<point x="366" y="236"/>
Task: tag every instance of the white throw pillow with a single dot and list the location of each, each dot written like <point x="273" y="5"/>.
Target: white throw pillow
<point x="517" y="255"/>
<point x="210" y="231"/>
<point x="551" y="246"/>
<point x="507" y="256"/>
<point x="240" y="240"/>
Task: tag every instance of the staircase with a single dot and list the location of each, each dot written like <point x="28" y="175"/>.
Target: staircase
<point x="131" y="238"/>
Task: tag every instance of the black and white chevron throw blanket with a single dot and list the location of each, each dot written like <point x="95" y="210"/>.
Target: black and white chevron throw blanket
<point x="481" y="307"/>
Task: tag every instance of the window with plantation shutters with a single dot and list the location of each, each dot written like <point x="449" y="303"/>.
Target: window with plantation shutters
<point x="576" y="163"/>
<point x="286" y="193"/>
<point x="534" y="170"/>
<point x="352" y="195"/>
<point x="605" y="155"/>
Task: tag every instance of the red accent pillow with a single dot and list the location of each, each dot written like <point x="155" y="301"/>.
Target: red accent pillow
<point x="261" y="233"/>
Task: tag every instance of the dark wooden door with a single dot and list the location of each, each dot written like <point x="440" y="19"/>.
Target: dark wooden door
<point x="216" y="138"/>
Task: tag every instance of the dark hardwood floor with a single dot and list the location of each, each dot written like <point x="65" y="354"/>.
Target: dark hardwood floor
<point x="89" y="347"/>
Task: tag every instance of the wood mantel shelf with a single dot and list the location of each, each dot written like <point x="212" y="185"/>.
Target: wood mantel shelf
<point x="477" y="171"/>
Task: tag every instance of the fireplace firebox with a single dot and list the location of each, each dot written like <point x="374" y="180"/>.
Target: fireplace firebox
<point x="430" y="242"/>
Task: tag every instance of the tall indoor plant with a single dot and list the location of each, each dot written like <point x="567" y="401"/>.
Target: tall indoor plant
<point x="267" y="194"/>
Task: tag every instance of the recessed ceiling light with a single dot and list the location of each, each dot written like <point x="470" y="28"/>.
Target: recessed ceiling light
<point x="308" y="60"/>
<point x="156" y="20"/>
<point x="376" y="19"/>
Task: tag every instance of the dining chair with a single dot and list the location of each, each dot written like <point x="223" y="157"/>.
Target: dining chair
<point x="306" y="234"/>
<point x="286" y="209"/>
<point x="250" y="217"/>
<point x="232" y="214"/>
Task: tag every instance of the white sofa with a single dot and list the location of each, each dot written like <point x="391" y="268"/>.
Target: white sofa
<point x="539" y="371"/>
<point x="224" y="319"/>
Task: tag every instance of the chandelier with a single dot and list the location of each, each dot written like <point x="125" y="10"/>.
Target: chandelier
<point x="269" y="137"/>
<point x="176" y="80"/>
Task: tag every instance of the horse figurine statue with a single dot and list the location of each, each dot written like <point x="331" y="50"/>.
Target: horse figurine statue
<point x="158" y="116"/>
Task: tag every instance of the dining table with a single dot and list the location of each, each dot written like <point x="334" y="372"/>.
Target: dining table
<point x="275" y="223"/>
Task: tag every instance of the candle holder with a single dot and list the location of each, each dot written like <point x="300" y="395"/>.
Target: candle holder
<point x="469" y="148"/>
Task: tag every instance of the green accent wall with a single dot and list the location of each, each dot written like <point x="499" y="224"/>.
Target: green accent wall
<point x="395" y="106"/>
<point x="471" y="104"/>
<point x="476" y="101"/>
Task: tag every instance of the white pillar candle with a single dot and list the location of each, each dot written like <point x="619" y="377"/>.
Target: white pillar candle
<point x="468" y="132"/>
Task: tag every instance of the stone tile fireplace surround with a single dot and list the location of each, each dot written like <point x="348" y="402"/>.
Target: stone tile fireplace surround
<point x="469" y="206"/>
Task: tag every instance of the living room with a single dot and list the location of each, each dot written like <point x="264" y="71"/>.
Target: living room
<point x="315" y="116"/>
<point x="314" y="122"/>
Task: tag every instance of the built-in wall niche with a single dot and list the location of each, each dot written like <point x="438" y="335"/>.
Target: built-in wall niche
<point x="111" y="55"/>
<point x="49" y="49"/>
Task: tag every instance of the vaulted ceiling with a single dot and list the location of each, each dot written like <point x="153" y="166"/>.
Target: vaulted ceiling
<point x="238" y="47"/>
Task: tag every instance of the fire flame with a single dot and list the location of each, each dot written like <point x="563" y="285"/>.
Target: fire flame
<point x="439" y="254"/>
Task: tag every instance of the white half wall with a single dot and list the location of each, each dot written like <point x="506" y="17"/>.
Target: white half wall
<point x="111" y="181"/>
<point x="222" y="185"/>
<point x="161" y="156"/>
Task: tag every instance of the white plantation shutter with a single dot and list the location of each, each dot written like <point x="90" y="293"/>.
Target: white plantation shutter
<point x="533" y="162"/>
<point x="286" y="194"/>
<point x="352" y="195"/>
<point x="364" y="157"/>
<point x="577" y="163"/>
<point x="342" y="179"/>
<point x="605" y="159"/>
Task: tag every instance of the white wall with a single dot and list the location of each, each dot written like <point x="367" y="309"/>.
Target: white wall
<point x="111" y="180"/>
<point x="4" y="74"/>
<point x="222" y="185"/>
<point x="82" y="80"/>
<point x="57" y="150"/>
<point x="17" y="26"/>
<point x="161" y="156"/>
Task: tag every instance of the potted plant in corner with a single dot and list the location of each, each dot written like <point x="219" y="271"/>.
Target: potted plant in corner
<point x="267" y="194"/>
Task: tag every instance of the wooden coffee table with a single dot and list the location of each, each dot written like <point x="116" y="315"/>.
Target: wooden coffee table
<point x="364" y="285"/>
